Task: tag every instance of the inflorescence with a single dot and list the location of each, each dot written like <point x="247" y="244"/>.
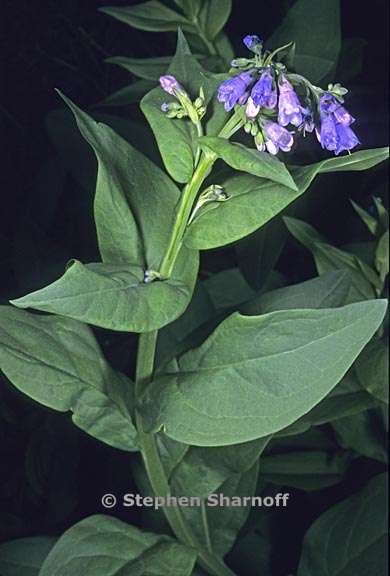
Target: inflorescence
<point x="276" y="106"/>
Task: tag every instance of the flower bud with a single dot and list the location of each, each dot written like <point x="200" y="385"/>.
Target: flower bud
<point x="170" y="84"/>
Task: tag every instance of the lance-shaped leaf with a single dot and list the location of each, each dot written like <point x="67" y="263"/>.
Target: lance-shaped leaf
<point x="257" y="374"/>
<point x="213" y="17"/>
<point x="253" y="201"/>
<point x="57" y="362"/>
<point x="317" y="36"/>
<point x="177" y="138"/>
<point x="349" y="539"/>
<point x="104" y="546"/>
<point x="115" y="296"/>
<point x="134" y="200"/>
<point x="152" y="16"/>
<point x="249" y="160"/>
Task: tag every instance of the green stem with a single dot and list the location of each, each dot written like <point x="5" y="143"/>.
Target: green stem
<point x="155" y="468"/>
<point x="189" y="195"/>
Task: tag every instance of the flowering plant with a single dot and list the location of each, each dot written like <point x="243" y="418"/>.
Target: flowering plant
<point x="228" y="374"/>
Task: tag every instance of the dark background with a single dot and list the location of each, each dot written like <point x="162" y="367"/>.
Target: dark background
<point x="51" y="473"/>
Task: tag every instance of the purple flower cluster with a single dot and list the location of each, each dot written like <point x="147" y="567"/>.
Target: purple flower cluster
<point x="271" y="109"/>
<point x="335" y="133"/>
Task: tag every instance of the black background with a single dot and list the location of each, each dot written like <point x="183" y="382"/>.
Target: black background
<point x="51" y="473"/>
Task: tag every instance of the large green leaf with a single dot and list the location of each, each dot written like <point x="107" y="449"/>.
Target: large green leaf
<point x="249" y="160"/>
<point x="24" y="557"/>
<point x="147" y="68"/>
<point x="316" y="33"/>
<point x="57" y="362"/>
<point x="176" y="138"/>
<point x="254" y="201"/>
<point x="255" y="374"/>
<point x="349" y="539"/>
<point x="152" y="16"/>
<point x="104" y="546"/>
<point x="134" y="200"/>
<point x="115" y="296"/>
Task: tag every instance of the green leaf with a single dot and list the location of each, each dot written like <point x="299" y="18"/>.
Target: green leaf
<point x="213" y="16"/>
<point x="249" y="160"/>
<point x="327" y="291"/>
<point x="371" y="222"/>
<point x="253" y="201"/>
<point x="357" y="161"/>
<point x="134" y="199"/>
<point x="382" y="256"/>
<point x="104" y="546"/>
<point x="254" y="375"/>
<point x="115" y="296"/>
<point x="306" y="470"/>
<point x="58" y="363"/>
<point x="24" y="557"/>
<point x="177" y="138"/>
<point x="364" y="279"/>
<point x="128" y="94"/>
<point x="152" y="16"/>
<point x="239" y="291"/>
<point x="200" y="472"/>
<point x="147" y="68"/>
<point x="372" y="369"/>
<point x="349" y="539"/>
<point x="363" y="434"/>
<point x="316" y="34"/>
<point x="190" y="7"/>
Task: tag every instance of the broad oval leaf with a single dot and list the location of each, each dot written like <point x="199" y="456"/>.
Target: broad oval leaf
<point x="349" y="539"/>
<point x="257" y="374"/>
<point x="104" y="546"/>
<point x="249" y="160"/>
<point x="58" y="363"/>
<point x="116" y="297"/>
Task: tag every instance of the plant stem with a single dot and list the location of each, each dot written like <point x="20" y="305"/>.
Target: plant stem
<point x="189" y="195"/>
<point x="155" y="468"/>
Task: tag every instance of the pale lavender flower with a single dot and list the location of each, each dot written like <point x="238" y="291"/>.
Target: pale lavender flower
<point x="230" y="91"/>
<point x="251" y="109"/>
<point x="277" y="137"/>
<point x="170" y="84"/>
<point x="243" y="99"/>
<point x="343" y="116"/>
<point x="335" y="133"/>
<point x="290" y="109"/>
<point x="328" y="103"/>
<point x="264" y="91"/>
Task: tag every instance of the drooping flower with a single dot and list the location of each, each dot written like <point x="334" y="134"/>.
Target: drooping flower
<point x="264" y="91"/>
<point x="290" y="109"/>
<point x="230" y="91"/>
<point x="251" y="109"/>
<point x="170" y="84"/>
<point x="335" y="133"/>
<point x="327" y="135"/>
<point x="277" y="137"/>
<point x="346" y="138"/>
<point x="252" y="42"/>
